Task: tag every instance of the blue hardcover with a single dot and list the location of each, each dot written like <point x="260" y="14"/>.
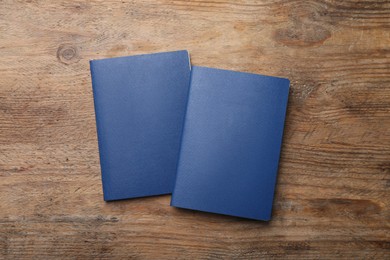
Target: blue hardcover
<point x="140" y="103"/>
<point x="231" y="143"/>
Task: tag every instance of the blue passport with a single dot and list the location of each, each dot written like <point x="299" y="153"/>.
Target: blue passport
<point x="231" y="143"/>
<point x="140" y="103"/>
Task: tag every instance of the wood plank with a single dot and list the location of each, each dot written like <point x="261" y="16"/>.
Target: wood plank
<point x="332" y="198"/>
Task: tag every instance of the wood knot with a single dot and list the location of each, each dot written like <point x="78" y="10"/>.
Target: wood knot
<point x="68" y="54"/>
<point x="302" y="34"/>
<point x="307" y="26"/>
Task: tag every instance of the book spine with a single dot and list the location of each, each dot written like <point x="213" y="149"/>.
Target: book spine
<point x="99" y="129"/>
<point x="182" y="135"/>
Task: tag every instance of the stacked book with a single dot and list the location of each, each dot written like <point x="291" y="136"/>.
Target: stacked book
<point x="210" y="137"/>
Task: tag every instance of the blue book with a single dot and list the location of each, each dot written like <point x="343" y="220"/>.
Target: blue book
<point x="140" y="103"/>
<point x="231" y="143"/>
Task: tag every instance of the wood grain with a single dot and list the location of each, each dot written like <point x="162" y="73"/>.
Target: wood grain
<point x="332" y="198"/>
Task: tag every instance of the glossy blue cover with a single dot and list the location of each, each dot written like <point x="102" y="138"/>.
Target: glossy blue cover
<point x="140" y="104"/>
<point x="231" y="143"/>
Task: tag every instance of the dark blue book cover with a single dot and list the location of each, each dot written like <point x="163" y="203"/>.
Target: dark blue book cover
<point x="231" y="143"/>
<point x="140" y="103"/>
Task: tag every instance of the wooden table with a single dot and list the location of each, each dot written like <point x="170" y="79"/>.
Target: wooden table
<point x="332" y="196"/>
